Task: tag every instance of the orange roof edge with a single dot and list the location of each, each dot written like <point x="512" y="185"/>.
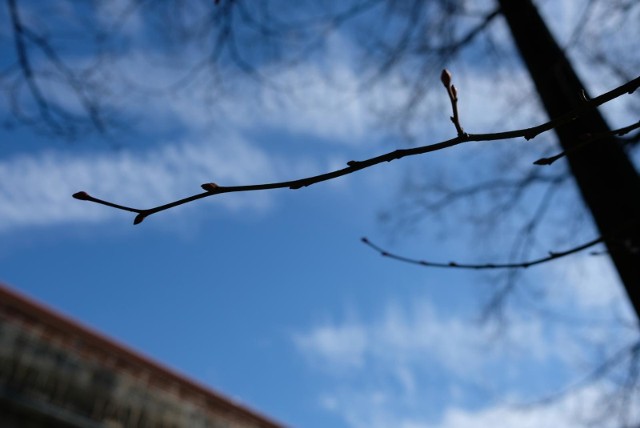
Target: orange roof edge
<point x="52" y="318"/>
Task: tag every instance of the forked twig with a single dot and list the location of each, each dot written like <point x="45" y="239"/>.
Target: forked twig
<point x="586" y="139"/>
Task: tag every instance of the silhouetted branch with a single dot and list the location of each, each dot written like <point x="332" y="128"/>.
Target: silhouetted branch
<point x="26" y="68"/>
<point x="631" y="140"/>
<point x="483" y="266"/>
<point x="586" y="139"/>
<point x="630" y="351"/>
<point x="212" y="189"/>
<point x="520" y="250"/>
<point x="505" y="195"/>
<point x="464" y="40"/>
<point x="54" y="116"/>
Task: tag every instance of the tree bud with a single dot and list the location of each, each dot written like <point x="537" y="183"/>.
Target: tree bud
<point x="83" y="196"/>
<point x="445" y="78"/>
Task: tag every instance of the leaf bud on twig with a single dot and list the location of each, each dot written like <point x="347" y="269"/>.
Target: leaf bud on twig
<point x="210" y="187"/>
<point x="139" y="218"/>
<point x="445" y="78"/>
<point x="83" y="196"/>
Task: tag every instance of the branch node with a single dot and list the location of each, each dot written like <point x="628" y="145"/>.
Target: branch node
<point x="210" y="187"/>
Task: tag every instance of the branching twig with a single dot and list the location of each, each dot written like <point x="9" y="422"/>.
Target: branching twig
<point x="521" y="249"/>
<point x="53" y="115"/>
<point x="586" y="139"/>
<point x="353" y="166"/>
<point x="630" y="140"/>
<point x="482" y="266"/>
<point x="600" y="371"/>
<point x="27" y="69"/>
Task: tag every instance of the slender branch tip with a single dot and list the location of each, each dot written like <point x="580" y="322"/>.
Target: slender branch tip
<point x="83" y="196"/>
<point x="542" y="161"/>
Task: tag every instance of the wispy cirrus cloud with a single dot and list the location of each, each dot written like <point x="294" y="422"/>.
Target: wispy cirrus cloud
<point x="36" y="189"/>
<point x="583" y="407"/>
<point x="418" y="333"/>
<point x="417" y="366"/>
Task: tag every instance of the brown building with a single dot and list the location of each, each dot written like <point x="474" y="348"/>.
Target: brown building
<point x="56" y="373"/>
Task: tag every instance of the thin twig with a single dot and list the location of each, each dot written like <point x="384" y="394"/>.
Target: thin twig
<point x="483" y="266"/>
<point x="587" y="139"/>
<point x="27" y="69"/>
<point x="212" y="189"/>
<point x="445" y="78"/>
<point x="629" y="350"/>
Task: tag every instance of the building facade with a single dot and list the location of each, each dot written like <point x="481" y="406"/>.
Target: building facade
<point x="55" y="372"/>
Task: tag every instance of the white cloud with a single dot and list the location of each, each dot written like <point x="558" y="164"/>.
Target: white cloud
<point x="573" y="410"/>
<point x="37" y="189"/>
<point x="578" y="409"/>
<point x="416" y="334"/>
<point x="587" y="282"/>
<point x="319" y="99"/>
<point x="343" y="346"/>
<point x="415" y="367"/>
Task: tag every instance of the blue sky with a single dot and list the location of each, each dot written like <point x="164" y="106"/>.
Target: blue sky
<point x="270" y="297"/>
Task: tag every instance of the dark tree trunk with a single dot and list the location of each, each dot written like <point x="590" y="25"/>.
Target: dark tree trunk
<point x="608" y="181"/>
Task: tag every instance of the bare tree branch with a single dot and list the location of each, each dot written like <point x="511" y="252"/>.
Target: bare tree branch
<point x="26" y="68"/>
<point x="589" y="138"/>
<point x="484" y="266"/>
<point x="520" y="250"/>
<point x="452" y="48"/>
<point x="50" y="115"/>
<point x="212" y="189"/>
<point x="631" y="140"/>
<point x="630" y="352"/>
